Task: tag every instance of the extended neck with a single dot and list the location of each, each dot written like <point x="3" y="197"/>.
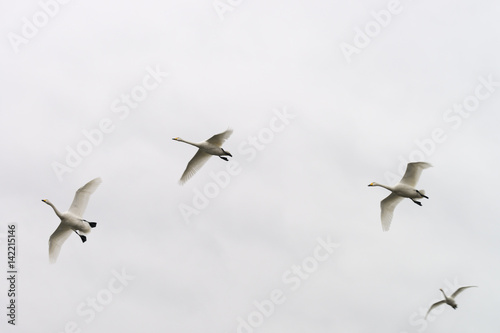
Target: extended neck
<point x="58" y="213"/>
<point x="384" y="186"/>
<point x="189" y="142"/>
<point x="445" y="297"/>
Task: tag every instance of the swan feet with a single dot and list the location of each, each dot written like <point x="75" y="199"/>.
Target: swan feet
<point x="417" y="202"/>
<point x="226" y="153"/>
<point x="422" y="195"/>
<point x="91" y="224"/>
<point x="83" y="238"/>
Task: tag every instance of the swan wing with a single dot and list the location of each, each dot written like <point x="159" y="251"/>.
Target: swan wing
<point x="218" y="139"/>
<point x="433" y="306"/>
<point x="387" y="209"/>
<point x="198" y="160"/>
<point x="413" y="172"/>
<point x="56" y="240"/>
<point x="82" y="197"/>
<point x="459" y="290"/>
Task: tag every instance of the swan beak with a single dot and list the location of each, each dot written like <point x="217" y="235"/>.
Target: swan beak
<point x="371" y="184"/>
<point x="174" y="138"/>
<point x="44" y="200"/>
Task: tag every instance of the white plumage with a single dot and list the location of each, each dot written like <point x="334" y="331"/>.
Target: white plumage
<point x="404" y="189"/>
<point x="450" y="300"/>
<point x="206" y="149"/>
<point x="72" y="219"/>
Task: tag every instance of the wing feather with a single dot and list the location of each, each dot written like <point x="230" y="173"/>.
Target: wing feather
<point x="82" y="196"/>
<point x="56" y="240"/>
<point x="433" y="306"/>
<point x="198" y="160"/>
<point x="218" y="139"/>
<point x="459" y="290"/>
<point x="413" y="172"/>
<point x="387" y="207"/>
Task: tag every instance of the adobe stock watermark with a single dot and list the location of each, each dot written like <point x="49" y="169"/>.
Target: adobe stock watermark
<point x="122" y="107"/>
<point x="364" y="36"/>
<point x="30" y="27"/>
<point x="249" y="149"/>
<point x="417" y="319"/>
<point x="453" y="118"/>
<point x="89" y="309"/>
<point x="223" y="7"/>
<point x="291" y="279"/>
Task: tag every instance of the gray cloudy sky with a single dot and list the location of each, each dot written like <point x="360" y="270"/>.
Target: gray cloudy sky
<point x="324" y="97"/>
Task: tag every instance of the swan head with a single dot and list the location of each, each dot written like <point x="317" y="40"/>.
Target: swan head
<point x="372" y="184"/>
<point x="48" y="202"/>
<point x="176" y="139"/>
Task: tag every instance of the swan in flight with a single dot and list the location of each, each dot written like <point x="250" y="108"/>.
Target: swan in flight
<point x="72" y="219"/>
<point x="450" y="300"/>
<point x="404" y="189"/>
<point x="206" y="148"/>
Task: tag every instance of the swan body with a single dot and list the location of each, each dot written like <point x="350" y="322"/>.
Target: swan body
<point x="72" y="221"/>
<point x="206" y="149"/>
<point x="450" y="300"/>
<point x="404" y="189"/>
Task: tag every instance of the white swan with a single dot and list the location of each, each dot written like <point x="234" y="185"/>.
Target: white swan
<point x="72" y="219"/>
<point x="207" y="148"/>
<point x="404" y="189"/>
<point x="448" y="300"/>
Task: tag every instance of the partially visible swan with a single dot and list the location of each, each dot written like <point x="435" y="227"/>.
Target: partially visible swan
<point x="72" y="219"/>
<point x="448" y="300"/>
<point x="206" y="149"/>
<point x="404" y="189"/>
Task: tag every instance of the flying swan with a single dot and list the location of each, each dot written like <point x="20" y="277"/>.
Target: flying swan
<point x="72" y="219"/>
<point x="404" y="189"/>
<point x="207" y="148"/>
<point x="448" y="300"/>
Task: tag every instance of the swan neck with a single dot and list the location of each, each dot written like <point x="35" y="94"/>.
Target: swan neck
<point x="384" y="186"/>
<point x="58" y="213"/>
<point x="446" y="297"/>
<point x="190" y="143"/>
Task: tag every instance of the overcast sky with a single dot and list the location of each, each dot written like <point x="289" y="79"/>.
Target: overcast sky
<point x="324" y="98"/>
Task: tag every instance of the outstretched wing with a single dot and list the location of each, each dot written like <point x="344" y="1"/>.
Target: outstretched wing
<point x="56" y="240"/>
<point x="413" y="172"/>
<point x="82" y="197"/>
<point x="459" y="290"/>
<point x="198" y="160"/>
<point x="218" y="139"/>
<point x="433" y="306"/>
<point x="387" y="209"/>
